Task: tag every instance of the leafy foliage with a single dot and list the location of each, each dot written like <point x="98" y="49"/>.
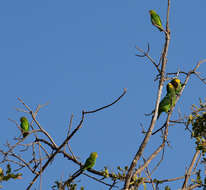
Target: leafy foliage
<point x="8" y="174"/>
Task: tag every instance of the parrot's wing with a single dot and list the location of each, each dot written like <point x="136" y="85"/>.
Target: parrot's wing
<point x="89" y="163"/>
<point x="159" y="20"/>
<point x="165" y="102"/>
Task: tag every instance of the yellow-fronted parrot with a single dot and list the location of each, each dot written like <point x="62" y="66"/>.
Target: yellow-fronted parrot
<point x="24" y="126"/>
<point x="155" y="19"/>
<point x="89" y="163"/>
<point x="177" y="84"/>
<point x="168" y="101"/>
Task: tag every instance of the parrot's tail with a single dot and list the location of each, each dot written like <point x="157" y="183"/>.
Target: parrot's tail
<point x="25" y="134"/>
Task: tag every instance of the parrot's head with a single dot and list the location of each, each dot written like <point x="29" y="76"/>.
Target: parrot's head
<point x="151" y="12"/>
<point x="94" y="155"/>
<point x="170" y="87"/>
<point x="23" y="119"/>
<point x="175" y="82"/>
<point x="1" y="171"/>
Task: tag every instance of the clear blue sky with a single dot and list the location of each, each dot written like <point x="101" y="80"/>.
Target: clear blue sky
<point x="80" y="55"/>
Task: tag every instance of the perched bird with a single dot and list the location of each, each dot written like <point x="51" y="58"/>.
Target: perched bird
<point x="177" y="84"/>
<point x="155" y="19"/>
<point x="168" y="101"/>
<point x="24" y="126"/>
<point x="89" y="163"/>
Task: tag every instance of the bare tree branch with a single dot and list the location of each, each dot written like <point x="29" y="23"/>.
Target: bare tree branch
<point x="146" y="54"/>
<point x="188" y="173"/>
<point x="70" y="136"/>
<point x="161" y="83"/>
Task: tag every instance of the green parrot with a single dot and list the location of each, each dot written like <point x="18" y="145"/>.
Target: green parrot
<point x="89" y="163"/>
<point x="155" y="19"/>
<point x="177" y="84"/>
<point x="168" y="101"/>
<point x="24" y="126"/>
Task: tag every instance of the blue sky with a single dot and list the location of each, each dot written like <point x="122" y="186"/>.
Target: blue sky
<point x="80" y="55"/>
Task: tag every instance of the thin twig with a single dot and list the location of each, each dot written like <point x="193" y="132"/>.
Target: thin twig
<point x="26" y="164"/>
<point x="146" y="162"/>
<point x="100" y="181"/>
<point x="40" y="165"/>
<point x="188" y="172"/>
<point x="113" y="184"/>
<point x="149" y="174"/>
<point x="70" y="124"/>
<point x="146" y="54"/>
<point x="99" y="109"/>
<point x="158" y="164"/>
